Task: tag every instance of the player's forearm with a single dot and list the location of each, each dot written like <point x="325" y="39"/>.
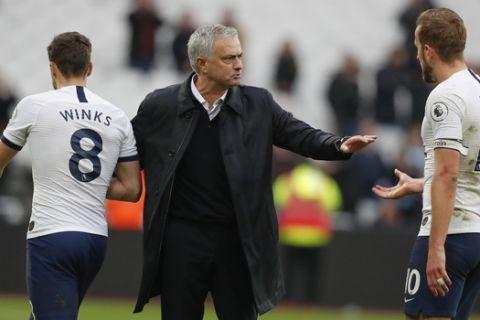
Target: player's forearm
<point x="121" y="191"/>
<point x="126" y="185"/>
<point x="443" y="191"/>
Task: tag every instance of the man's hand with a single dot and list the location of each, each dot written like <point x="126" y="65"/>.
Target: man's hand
<point x="356" y="143"/>
<point x="437" y="277"/>
<point x="406" y="185"/>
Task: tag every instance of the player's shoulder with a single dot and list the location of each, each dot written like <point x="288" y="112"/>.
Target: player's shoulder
<point x="94" y="98"/>
<point x="449" y="96"/>
<point x="102" y="103"/>
<point x="443" y="89"/>
<point x="45" y="95"/>
<point x="36" y="100"/>
<point x="456" y="85"/>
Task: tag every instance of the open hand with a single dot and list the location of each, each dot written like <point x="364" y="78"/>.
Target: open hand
<point x="357" y="143"/>
<point x="406" y="185"/>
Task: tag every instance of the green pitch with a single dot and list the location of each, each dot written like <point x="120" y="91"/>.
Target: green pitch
<point x="17" y="308"/>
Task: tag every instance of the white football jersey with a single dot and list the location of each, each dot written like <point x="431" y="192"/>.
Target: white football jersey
<point x="75" y="140"/>
<point x="452" y="120"/>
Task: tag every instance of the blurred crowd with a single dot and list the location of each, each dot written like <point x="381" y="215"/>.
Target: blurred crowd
<point x="393" y="111"/>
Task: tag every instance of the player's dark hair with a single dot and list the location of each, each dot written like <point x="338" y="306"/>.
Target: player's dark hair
<point x="443" y="30"/>
<point x="70" y="51"/>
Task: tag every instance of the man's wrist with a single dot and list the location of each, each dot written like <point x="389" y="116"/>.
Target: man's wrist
<point x="338" y="143"/>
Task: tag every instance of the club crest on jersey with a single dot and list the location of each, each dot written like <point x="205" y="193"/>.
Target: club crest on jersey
<point x="424" y="221"/>
<point x="439" y="111"/>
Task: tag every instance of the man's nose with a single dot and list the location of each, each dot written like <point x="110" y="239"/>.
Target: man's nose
<point x="238" y="63"/>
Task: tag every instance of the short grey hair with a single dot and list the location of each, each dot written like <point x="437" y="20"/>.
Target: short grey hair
<point x="202" y="39"/>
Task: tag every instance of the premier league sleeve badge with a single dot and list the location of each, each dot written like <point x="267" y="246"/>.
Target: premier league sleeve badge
<point x="439" y="111"/>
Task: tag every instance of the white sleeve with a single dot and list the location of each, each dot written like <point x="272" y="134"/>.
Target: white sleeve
<point x="19" y="127"/>
<point x="445" y="114"/>
<point x="128" y="148"/>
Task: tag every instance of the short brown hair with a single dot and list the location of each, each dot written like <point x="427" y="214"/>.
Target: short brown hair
<point x="70" y="51"/>
<point x="444" y="30"/>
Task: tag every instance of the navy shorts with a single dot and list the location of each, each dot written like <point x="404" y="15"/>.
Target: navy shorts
<point x="60" y="268"/>
<point x="462" y="253"/>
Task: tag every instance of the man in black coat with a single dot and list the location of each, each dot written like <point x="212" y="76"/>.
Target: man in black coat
<point x="209" y="220"/>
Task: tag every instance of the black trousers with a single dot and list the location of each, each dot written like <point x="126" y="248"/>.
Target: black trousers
<point x="199" y="258"/>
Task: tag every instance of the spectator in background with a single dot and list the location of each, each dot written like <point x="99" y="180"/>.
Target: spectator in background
<point x="306" y="199"/>
<point x="343" y="95"/>
<point x="185" y="28"/>
<point x="356" y="176"/>
<point x="8" y="99"/>
<point x="283" y="161"/>
<point x="411" y="160"/>
<point x="228" y="20"/>
<point x="419" y="91"/>
<point x="391" y="77"/>
<point x="407" y="20"/>
<point x="412" y="154"/>
<point x="286" y="69"/>
<point x="418" y="88"/>
<point x="144" y="22"/>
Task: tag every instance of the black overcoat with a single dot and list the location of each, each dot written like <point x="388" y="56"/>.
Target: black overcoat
<point x="250" y="123"/>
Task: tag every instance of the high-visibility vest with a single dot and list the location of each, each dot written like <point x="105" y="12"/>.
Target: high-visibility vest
<point x="306" y="199"/>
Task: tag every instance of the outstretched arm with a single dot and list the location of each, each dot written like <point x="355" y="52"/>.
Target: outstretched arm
<point x="126" y="185"/>
<point x="406" y="185"/>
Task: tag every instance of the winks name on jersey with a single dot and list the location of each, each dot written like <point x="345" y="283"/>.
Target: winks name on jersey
<point x="82" y="114"/>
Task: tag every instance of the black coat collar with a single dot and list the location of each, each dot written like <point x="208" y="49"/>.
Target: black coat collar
<point x="185" y="97"/>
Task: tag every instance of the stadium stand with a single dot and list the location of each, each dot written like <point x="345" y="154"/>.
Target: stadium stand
<point x="322" y="29"/>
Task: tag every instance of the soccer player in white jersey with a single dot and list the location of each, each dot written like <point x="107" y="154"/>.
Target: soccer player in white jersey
<point x="78" y="141"/>
<point x="443" y="275"/>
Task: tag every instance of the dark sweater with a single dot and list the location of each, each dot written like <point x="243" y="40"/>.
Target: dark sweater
<point x="201" y="191"/>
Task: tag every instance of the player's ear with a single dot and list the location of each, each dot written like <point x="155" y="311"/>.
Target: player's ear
<point x="429" y="51"/>
<point x="53" y="69"/>
<point x="89" y="69"/>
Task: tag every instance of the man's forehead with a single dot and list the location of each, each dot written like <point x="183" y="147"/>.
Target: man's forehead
<point x="222" y="40"/>
<point x="417" y="30"/>
<point x="227" y="44"/>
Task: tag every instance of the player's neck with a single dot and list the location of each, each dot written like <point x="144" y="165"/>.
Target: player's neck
<point x="62" y="82"/>
<point x="445" y="70"/>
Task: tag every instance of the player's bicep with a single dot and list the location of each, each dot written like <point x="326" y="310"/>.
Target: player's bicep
<point x="446" y="119"/>
<point x="447" y="161"/>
